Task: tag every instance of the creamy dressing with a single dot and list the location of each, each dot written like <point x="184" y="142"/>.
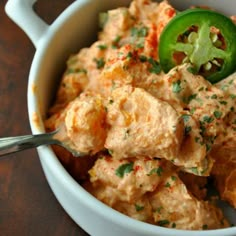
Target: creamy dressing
<point x="153" y="138"/>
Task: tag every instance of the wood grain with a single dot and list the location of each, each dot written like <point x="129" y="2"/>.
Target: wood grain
<point x="27" y="204"/>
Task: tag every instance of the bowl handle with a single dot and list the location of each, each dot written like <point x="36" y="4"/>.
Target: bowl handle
<point x="22" y="13"/>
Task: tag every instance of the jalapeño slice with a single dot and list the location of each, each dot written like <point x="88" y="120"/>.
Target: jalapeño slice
<point x="206" y="39"/>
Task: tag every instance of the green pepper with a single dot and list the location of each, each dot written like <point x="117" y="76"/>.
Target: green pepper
<point x="206" y="39"/>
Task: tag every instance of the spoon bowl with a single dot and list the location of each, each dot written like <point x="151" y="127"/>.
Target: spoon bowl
<point x="19" y="143"/>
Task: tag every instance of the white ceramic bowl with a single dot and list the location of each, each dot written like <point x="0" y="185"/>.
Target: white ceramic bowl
<point x="75" y="28"/>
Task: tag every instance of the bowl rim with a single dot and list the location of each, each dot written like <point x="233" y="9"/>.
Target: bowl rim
<point x="49" y="158"/>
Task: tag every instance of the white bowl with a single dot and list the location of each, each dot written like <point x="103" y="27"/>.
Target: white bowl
<point x="75" y="28"/>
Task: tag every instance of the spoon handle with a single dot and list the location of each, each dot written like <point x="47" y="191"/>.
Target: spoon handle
<point x="19" y="143"/>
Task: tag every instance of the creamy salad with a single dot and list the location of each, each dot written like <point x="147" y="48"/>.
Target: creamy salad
<point x="154" y="138"/>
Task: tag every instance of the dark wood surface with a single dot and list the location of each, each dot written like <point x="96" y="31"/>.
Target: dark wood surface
<point x="27" y="204"/>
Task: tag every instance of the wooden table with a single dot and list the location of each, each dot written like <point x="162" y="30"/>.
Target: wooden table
<point x="27" y="204"/>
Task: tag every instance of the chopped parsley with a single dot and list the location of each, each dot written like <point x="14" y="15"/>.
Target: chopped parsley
<point x="157" y="171"/>
<point x="232" y="96"/>
<point x="140" y="43"/>
<point x="129" y="55"/>
<point x="155" y="65"/>
<point x="163" y="222"/>
<point x="208" y="147"/>
<point x="143" y="58"/>
<point x="195" y="170"/>
<point x="197" y="139"/>
<point x="201" y="89"/>
<point x="139" y="32"/>
<point x="124" y="169"/>
<point x="202" y="128"/>
<point x="167" y="185"/>
<point x="192" y="70"/>
<point x="158" y="210"/>
<point x="110" y="151"/>
<point x="214" y="96"/>
<point x="102" y="46"/>
<point x="138" y="207"/>
<point x="116" y="41"/>
<point x="100" y="62"/>
<point x="223" y="102"/>
<point x="217" y="114"/>
<point x="224" y="87"/>
<point x="191" y="97"/>
<point x="200" y="101"/>
<point x="186" y="117"/>
<point x="187" y="130"/>
<point x="205" y="226"/>
<point x="156" y="68"/>
<point x="173" y="178"/>
<point x="176" y="86"/>
<point x="208" y="119"/>
<point x="192" y="110"/>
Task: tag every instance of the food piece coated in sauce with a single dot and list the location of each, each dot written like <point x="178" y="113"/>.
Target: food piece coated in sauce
<point x="175" y="207"/>
<point x="142" y="125"/>
<point x="128" y="179"/>
<point x="151" y="191"/>
<point x="224" y="172"/>
<point x="85" y="123"/>
<point x="115" y="89"/>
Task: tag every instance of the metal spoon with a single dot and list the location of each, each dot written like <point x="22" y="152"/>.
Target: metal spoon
<point x="15" y="144"/>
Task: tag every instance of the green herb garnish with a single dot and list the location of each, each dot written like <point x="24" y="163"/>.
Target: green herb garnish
<point x="163" y="222"/>
<point x="139" y="32"/>
<point x="217" y="114"/>
<point x="124" y="169"/>
<point x="156" y="68"/>
<point x="187" y="130"/>
<point x="176" y="86"/>
<point x="138" y="207"/>
<point x="100" y="62"/>
<point x="186" y="117"/>
<point x="157" y="171"/>
<point x="102" y="46"/>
